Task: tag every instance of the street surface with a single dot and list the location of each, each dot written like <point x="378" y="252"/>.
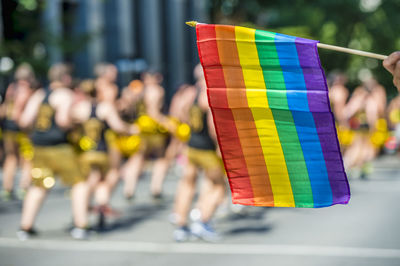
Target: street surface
<point x="365" y="232"/>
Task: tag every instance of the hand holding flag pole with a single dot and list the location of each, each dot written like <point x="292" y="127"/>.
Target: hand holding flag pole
<point x="329" y="47"/>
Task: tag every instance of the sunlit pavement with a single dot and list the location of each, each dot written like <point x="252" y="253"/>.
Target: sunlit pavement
<point x="363" y="233"/>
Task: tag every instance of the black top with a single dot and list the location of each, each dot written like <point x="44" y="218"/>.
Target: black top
<point x="133" y="113"/>
<point x="46" y="132"/>
<point x="9" y="123"/>
<point x="95" y="129"/>
<point x="200" y="137"/>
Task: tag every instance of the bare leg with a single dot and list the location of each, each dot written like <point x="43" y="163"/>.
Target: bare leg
<point x="26" y="178"/>
<point x="115" y="157"/>
<point x="112" y="178"/>
<point x="93" y="179"/>
<point x="10" y="164"/>
<point x="368" y="152"/>
<point x="80" y="203"/>
<point x="159" y="173"/>
<point x="352" y="155"/>
<point x="215" y="196"/>
<point x="131" y="172"/>
<point x="185" y="193"/>
<point x="162" y="165"/>
<point x="32" y="203"/>
<point x="102" y="194"/>
<point x="205" y="190"/>
<point x="104" y="188"/>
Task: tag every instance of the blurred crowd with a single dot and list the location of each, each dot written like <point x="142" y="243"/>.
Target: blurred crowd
<point x="92" y="135"/>
<point x="366" y="125"/>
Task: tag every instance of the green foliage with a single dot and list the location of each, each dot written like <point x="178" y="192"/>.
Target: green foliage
<point x="28" y="4"/>
<point x="370" y="25"/>
<point x="27" y="34"/>
<point x="32" y="40"/>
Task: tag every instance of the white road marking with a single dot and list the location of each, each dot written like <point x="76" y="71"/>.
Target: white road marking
<point x="193" y="248"/>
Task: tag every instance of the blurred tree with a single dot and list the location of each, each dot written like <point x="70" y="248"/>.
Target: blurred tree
<point x="26" y="39"/>
<point x="370" y="25"/>
<point x="23" y="36"/>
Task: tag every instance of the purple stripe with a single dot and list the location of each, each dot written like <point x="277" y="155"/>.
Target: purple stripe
<point x="315" y="80"/>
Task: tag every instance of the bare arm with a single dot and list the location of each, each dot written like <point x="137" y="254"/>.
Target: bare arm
<point x="212" y="132"/>
<point x="381" y="98"/>
<point x="80" y="112"/>
<point x="355" y="103"/>
<point x="108" y="112"/>
<point x="31" y="110"/>
<point x="339" y="95"/>
<point x="211" y="127"/>
<point x="153" y="99"/>
<point x="372" y="112"/>
<point x="182" y="102"/>
<point x="22" y="97"/>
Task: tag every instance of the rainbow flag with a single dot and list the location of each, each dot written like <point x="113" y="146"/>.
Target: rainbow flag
<point x="276" y="132"/>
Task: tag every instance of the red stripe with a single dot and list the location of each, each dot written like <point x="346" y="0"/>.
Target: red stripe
<point x="224" y="121"/>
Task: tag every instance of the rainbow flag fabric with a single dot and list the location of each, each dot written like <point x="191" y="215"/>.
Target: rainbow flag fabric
<point x="269" y="99"/>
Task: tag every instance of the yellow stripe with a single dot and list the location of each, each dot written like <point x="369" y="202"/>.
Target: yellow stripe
<point x="265" y="124"/>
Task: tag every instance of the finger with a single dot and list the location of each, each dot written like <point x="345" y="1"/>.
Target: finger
<point x="396" y="82"/>
<point x="396" y="71"/>
<point x="391" y="60"/>
<point x="396" y="74"/>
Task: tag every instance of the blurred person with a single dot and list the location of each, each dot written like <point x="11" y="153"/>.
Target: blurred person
<point x="179" y="112"/>
<point x="184" y="101"/>
<point x="157" y="141"/>
<point x="338" y="96"/>
<point x="179" y="129"/>
<point x="365" y="113"/>
<point x="201" y="155"/>
<point x="155" y="128"/>
<point x="48" y="114"/>
<point x="107" y="89"/>
<point x="17" y="145"/>
<point x="96" y="116"/>
<point x="129" y="105"/>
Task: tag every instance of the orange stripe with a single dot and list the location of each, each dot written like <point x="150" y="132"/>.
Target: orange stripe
<point x="244" y="120"/>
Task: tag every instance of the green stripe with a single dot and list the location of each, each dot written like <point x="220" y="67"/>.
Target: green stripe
<point x="276" y="94"/>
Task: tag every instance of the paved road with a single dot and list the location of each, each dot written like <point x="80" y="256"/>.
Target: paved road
<point x="365" y="232"/>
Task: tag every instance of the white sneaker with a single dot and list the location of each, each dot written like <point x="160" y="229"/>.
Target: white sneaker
<point x="24" y="235"/>
<point x="204" y="231"/>
<point x="181" y="234"/>
<point x="79" y="233"/>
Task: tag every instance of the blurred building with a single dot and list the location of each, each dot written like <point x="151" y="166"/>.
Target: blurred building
<point x="130" y="33"/>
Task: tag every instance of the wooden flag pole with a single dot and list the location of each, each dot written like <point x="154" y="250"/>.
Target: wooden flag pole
<point x="329" y="47"/>
<point x="351" y="51"/>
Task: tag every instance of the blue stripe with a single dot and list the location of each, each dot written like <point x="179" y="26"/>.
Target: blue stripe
<point x="304" y="121"/>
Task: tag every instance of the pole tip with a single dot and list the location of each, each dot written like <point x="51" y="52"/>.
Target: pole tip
<point x="191" y="23"/>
